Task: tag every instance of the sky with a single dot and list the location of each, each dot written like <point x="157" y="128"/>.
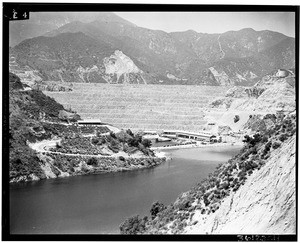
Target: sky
<point x="213" y="22"/>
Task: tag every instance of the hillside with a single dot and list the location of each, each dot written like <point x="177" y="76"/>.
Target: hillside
<point x="231" y="58"/>
<point x="265" y="204"/>
<point x="253" y="193"/>
<point x="270" y="95"/>
<point x="27" y="111"/>
<point x="44" y="142"/>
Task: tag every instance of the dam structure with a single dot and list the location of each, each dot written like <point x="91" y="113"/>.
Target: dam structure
<point x="142" y="107"/>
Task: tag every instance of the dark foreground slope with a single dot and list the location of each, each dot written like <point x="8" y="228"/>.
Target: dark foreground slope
<point x="28" y="112"/>
<point x="260" y="160"/>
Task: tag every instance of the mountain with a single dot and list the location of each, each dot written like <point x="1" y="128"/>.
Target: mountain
<point x="41" y="22"/>
<point x="231" y="58"/>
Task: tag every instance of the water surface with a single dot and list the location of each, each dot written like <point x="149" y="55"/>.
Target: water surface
<point x="96" y="204"/>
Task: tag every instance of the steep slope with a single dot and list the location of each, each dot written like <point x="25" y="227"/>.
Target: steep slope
<point x="231" y="58"/>
<point x="28" y="109"/>
<point x="42" y="22"/>
<point x="252" y="193"/>
<point x="265" y="204"/>
<point x="270" y="95"/>
<point x="76" y="57"/>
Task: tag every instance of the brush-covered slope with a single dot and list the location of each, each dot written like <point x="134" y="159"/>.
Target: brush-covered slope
<point x="265" y="204"/>
<point x="235" y="57"/>
<point x="27" y="109"/>
<point x="252" y="193"/>
<point x="43" y="142"/>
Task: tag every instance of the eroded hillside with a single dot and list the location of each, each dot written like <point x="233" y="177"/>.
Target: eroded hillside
<point x="232" y="58"/>
<point x="253" y="193"/>
<point x="265" y="204"/>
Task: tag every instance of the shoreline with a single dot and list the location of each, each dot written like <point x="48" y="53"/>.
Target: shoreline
<point x="83" y="169"/>
<point x="166" y="147"/>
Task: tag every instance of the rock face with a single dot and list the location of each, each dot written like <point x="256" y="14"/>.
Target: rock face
<point x="270" y="95"/>
<point x="231" y="58"/>
<point x="119" y="66"/>
<point x="265" y="204"/>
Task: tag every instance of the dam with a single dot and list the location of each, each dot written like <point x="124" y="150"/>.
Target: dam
<point x="142" y="107"/>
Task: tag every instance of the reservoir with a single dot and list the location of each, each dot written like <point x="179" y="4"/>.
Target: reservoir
<point x="98" y="204"/>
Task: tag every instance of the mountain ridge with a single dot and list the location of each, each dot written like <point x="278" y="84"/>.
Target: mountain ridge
<point x="231" y="58"/>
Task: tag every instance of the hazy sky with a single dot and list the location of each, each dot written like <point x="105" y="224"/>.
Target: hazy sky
<point x="213" y="22"/>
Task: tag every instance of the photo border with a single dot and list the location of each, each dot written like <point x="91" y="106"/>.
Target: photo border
<point x="93" y="7"/>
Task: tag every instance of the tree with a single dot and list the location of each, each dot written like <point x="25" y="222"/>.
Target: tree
<point x="134" y="142"/>
<point x="95" y="141"/>
<point x="147" y="143"/>
<point x="133" y="225"/>
<point x="92" y="161"/>
<point x="112" y="134"/>
<point x="129" y="132"/>
<point x="156" y="208"/>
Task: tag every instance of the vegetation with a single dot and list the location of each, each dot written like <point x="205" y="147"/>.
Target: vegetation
<point x="14" y="82"/>
<point x="207" y="195"/>
<point x="156" y="208"/>
<point x="133" y="225"/>
<point x="236" y="118"/>
<point x="92" y="161"/>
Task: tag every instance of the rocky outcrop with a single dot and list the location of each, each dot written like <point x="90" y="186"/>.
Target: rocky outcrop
<point x="268" y="96"/>
<point x="119" y="68"/>
<point x="68" y="116"/>
<point x="59" y="165"/>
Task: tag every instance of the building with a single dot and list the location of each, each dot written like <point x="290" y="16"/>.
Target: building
<point x="196" y="136"/>
<point x="205" y="136"/>
<point x="169" y="134"/>
<point x="90" y="122"/>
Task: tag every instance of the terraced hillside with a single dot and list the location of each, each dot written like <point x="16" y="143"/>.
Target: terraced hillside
<point x="150" y="107"/>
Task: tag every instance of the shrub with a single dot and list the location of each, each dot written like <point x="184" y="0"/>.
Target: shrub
<point x="276" y="145"/>
<point x="121" y="158"/>
<point x="264" y="139"/>
<point x="236" y="118"/>
<point x="283" y="137"/>
<point x="95" y="141"/>
<point x="156" y="208"/>
<point x="113" y="135"/>
<point x="129" y="132"/>
<point x="133" y="225"/>
<point x="147" y="143"/>
<point x="92" y="161"/>
<point x="58" y="145"/>
<point x="135" y="141"/>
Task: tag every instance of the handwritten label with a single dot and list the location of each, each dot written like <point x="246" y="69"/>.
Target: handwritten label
<point x="17" y="14"/>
